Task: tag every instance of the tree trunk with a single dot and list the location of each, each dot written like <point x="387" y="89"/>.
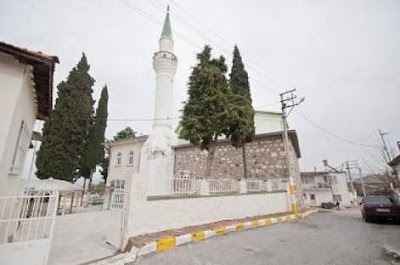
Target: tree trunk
<point x="210" y="156"/>
<point x="90" y="179"/>
<point x="244" y="160"/>
<point x="83" y="191"/>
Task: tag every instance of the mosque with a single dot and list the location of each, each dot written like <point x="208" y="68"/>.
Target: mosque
<point x="162" y="156"/>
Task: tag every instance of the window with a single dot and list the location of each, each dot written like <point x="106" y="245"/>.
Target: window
<point x="119" y="158"/>
<point x="312" y="196"/>
<point x="337" y="197"/>
<point x="118" y="184"/>
<point x="20" y="149"/>
<point x="130" y="160"/>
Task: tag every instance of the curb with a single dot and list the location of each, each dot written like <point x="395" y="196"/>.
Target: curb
<point x="168" y="243"/>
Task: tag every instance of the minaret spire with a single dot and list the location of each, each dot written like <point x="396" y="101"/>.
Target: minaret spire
<point x="166" y="31"/>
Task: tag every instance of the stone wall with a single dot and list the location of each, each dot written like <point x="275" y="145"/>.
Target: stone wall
<point x="265" y="159"/>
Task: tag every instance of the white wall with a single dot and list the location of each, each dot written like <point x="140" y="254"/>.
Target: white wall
<point x="320" y="197"/>
<point x="147" y="216"/>
<point x="16" y="105"/>
<point x="341" y="187"/>
<point x="267" y="122"/>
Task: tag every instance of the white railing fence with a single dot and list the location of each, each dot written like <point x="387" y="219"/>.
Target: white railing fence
<point x="183" y="186"/>
<point x="117" y="199"/>
<point x="254" y="185"/>
<point x="27" y="217"/>
<point x="191" y="186"/>
<point x="220" y="186"/>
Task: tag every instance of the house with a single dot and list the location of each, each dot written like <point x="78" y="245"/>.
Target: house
<point x="26" y="94"/>
<point x="324" y="186"/>
<point x="266" y="154"/>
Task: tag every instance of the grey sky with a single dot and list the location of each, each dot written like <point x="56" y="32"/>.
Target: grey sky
<point x="343" y="56"/>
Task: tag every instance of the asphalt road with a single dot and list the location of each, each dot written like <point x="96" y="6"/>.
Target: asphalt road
<point x="324" y="238"/>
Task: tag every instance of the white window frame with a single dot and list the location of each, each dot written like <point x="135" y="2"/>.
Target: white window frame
<point x="119" y="159"/>
<point x="131" y="157"/>
<point x="20" y="150"/>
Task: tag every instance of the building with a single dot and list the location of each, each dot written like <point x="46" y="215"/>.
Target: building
<point x="162" y="157"/>
<point x="26" y="79"/>
<point x="325" y="186"/>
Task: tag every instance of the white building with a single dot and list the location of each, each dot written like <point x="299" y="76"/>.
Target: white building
<point x="323" y="187"/>
<point x="26" y="94"/>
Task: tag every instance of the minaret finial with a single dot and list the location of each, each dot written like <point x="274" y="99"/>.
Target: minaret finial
<point x="167" y="8"/>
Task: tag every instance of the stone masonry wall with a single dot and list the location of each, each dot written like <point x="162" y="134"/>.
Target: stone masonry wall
<point x="265" y="159"/>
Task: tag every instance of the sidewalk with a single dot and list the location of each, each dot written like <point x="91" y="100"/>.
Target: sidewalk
<point x="83" y="237"/>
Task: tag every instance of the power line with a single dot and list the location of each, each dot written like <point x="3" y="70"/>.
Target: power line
<point x="275" y="87"/>
<point x="333" y="134"/>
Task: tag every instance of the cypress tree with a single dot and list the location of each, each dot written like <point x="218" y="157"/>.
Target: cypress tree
<point x="93" y="153"/>
<point x="242" y="122"/>
<point x="206" y="112"/>
<point x="65" y="131"/>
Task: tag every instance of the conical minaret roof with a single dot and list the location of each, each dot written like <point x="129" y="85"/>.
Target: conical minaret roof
<point x="167" y="32"/>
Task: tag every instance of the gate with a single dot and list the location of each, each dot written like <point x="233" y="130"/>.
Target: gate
<point x="26" y="228"/>
<point x="117" y="199"/>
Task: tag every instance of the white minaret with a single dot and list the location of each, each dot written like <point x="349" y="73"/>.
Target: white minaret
<point x="157" y="156"/>
<point x="164" y="64"/>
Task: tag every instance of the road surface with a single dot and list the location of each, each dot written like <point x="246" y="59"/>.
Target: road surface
<point x="325" y="238"/>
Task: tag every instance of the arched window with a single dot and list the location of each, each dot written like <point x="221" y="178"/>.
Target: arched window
<point x="130" y="160"/>
<point x="119" y="158"/>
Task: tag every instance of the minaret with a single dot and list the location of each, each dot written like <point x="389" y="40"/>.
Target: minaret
<point x="157" y="155"/>
<point x="164" y="64"/>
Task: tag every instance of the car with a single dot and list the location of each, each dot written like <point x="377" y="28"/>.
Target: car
<point x="379" y="207"/>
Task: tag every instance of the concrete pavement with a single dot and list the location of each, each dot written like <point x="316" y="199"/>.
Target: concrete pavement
<point x="324" y="238"/>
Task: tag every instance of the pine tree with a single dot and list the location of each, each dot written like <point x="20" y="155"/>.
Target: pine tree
<point x="206" y="112"/>
<point x="126" y="133"/>
<point x="242" y="122"/>
<point x="65" y="131"/>
<point x="93" y="153"/>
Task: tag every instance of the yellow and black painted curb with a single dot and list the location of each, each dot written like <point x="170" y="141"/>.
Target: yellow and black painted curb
<point x="171" y="242"/>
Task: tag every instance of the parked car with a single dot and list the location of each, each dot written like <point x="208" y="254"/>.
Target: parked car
<point x="327" y="205"/>
<point x="379" y="207"/>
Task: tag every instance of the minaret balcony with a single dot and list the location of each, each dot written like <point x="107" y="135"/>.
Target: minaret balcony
<point x="166" y="55"/>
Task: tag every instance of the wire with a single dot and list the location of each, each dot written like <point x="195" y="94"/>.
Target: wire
<point x="333" y="134"/>
<point x="255" y="71"/>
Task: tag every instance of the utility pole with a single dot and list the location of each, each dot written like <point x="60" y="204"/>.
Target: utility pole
<point x="354" y="165"/>
<point x="385" y="147"/>
<point x="386" y="151"/>
<point x="350" y="178"/>
<point x="288" y="100"/>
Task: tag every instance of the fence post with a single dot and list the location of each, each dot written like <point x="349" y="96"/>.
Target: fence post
<point x="204" y="187"/>
<point x="268" y="186"/>
<point x="242" y="186"/>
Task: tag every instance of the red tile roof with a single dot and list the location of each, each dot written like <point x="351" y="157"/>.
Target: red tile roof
<point x="43" y="69"/>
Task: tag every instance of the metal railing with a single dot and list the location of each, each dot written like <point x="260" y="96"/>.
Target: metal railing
<point x="254" y="185"/>
<point x="221" y="186"/>
<point x="117" y="199"/>
<point x="184" y="186"/>
<point x="190" y="186"/>
<point x="27" y="217"/>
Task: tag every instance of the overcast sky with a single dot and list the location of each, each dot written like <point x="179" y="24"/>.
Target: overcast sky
<point x="343" y="56"/>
